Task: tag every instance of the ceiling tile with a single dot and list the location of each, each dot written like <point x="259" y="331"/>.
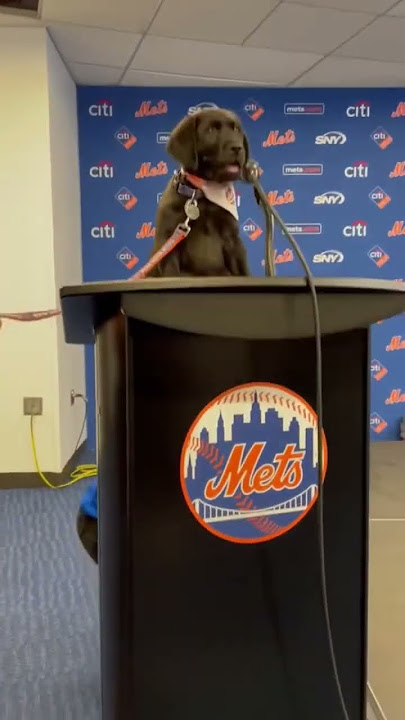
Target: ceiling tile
<point x="130" y="15"/>
<point x="210" y="20"/>
<point x="371" y="6"/>
<point x="231" y="62"/>
<point x="383" y="40"/>
<point x="307" y="29"/>
<point x="93" y="45"/>
<point x="345" y="72"/>
<point x="94" y="74"/>
<point x="144" y="78"/>
<point x="398" y="9"/>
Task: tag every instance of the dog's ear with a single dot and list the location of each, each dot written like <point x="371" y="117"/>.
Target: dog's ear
<point x="182" y="144"/>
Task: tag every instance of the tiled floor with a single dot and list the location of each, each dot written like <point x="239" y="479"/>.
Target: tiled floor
<point x="387" y="580"/>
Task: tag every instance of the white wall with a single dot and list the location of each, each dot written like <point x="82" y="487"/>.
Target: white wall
<point x="38" y="239"/>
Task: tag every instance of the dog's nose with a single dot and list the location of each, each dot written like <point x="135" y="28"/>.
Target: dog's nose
<point x="237" y="149"/>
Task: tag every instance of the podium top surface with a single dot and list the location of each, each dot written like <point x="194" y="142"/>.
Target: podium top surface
<point x="251" y="307"/>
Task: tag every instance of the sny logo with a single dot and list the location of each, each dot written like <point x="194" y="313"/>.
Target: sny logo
<point x="330" y="198"/>
<point x="400" y="110"/>
<point x="377" y="423"/>
<point x="379" y="197"/>
<point x="125" y="138"/>
<point x="127" y="257"/>
<point x="396" y="343"/>
<point x="253" y="109"/>
<point x="202" y="106"/>
<point x="362" y="109"/>
<point x="275" y="199"/>
<point x="249" y="463"/>
<point x="304" y="108"/>
<point x="395" y="397"/>
<point x="304" y="228"/>
<point x="302" y="169"/>
<point x="162" y="138"/>
<point x="103" y="108"/>
<point x="126" y="198"/>
<point x="328" y="256"/>
<point x="378" y="371"/>
<point x="378" y="256"/>
<point x="399" y="170"/>
<point x="147" y="109"/>
<point x="104" y="230"/>
<point x="274" y="138"/>
<point x="359" y="169"/>
<point x="332" y="137"/>
<point x="381" y="137"/>
<point x="357" y="229"/>
<point x="146" y="231"/>
<point x="251" y="229"/>
<point x="103" y="169"/>
<point x="147" y="170"/>
<point x="397" y="229"/>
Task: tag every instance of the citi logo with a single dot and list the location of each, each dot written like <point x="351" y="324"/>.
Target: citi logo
<point x="146" y="231"/>
<point x="126" y="198"/>
<point x="125" y="138"/>
<point x="104" y="230"/>
<point x="330" y="198"/>
<point x="253" y="109"/>
<point x="359" y="169"/>
<point x="332" y="137"/>
<point x="251" y="229"/>
<point x="356" y="229"/>
<point x="378" y="371"/>
<point x="362" y="109"/>
<point x="381" y="138"/>
<point x="127" y="257"/>
<point x="103" y="169"/>
<point x="378" y="256"/>
<point x="274" y="138"/>
<point x="104" y="108"/>
<point x="147" y="170"/>
<point x="400" y="111"/>
<point x="379" y="197"/>
<point x="397" y="229"/>
<point x="162" y="138"/>
<point x="147" y="109"/>
<point x="399" y="170"/>
<point x="377" y="423"/>
<point x="328" y="256"/>
<point x="275" y="199"/>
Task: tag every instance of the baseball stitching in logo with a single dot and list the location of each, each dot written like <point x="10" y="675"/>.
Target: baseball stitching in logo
<point x="249" y="463"/>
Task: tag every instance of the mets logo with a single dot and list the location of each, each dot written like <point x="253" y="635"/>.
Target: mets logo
<point x="249" y="463"/>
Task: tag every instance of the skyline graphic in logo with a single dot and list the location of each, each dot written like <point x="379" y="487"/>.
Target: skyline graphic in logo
<point x="378" y="256"/>
<point x="299" y="170"/>
<point x="103" y="108"/>
<point x="253" y="109"/>
<point x="332" y="137"/>
<point x="304" y="108"/>
<point x="361" y="109"/>
<point x="275" y="138"/>
<point x="333" y="197"/>
<point x="147" y="109"/>
<point x="249" y="463"/>
<point x="125" y="138"/>
<point x="381" y="138"/>
<point x="251" y="229"/>
<point x="379" y="197"/>
<point x="126" y="198"/>
<point x="377" y="423"/>
<point x="127" y="258"/>
<point x="304" y="228"/>
<point x="377" y="370"/>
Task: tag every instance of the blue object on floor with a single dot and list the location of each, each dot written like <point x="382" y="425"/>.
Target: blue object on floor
<point x="88" y="504"/>
<point x="49" y="586"/>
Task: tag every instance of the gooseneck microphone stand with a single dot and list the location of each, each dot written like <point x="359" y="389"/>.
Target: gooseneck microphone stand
<point x="252" y="176"/>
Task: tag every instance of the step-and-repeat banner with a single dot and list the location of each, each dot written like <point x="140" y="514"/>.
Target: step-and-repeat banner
<point x="332" y="161"/>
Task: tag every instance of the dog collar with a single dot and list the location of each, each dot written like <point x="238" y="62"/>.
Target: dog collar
<point x="222" y="194"/>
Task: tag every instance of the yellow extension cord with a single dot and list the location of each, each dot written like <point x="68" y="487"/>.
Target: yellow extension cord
<point x="79" y="473"/>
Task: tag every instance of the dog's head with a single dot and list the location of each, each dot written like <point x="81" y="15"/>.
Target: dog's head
<point x="210" y="144"/>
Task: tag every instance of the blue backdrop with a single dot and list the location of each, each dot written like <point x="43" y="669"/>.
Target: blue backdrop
<point x="333" y="162"/>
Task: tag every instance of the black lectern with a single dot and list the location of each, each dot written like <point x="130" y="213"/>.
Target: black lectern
<point x="211" y="603"/>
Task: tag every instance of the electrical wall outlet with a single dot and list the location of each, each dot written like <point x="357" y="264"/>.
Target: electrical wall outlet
<point x="33" y="405"/>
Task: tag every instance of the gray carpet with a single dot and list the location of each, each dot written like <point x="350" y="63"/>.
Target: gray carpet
<point x="49" y="641"/>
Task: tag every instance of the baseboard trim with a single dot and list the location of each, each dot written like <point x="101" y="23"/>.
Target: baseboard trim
<point x="375" y="711"/>
<point x="14" y="481"/>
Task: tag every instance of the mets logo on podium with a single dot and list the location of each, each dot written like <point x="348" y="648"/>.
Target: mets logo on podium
<point x="249" y="463"/>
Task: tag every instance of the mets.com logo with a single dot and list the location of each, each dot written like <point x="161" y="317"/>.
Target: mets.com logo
<point x="249" y="463"/>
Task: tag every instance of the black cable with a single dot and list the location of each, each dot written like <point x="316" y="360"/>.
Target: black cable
<point x="251" y="174"/>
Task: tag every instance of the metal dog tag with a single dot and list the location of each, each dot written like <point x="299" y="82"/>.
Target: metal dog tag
<point x="192" y="210"/>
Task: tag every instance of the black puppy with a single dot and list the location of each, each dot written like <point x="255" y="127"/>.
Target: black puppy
<point x="212" y="150"/>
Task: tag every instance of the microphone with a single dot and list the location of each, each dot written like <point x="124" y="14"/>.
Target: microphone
<point x="252" y="176"/>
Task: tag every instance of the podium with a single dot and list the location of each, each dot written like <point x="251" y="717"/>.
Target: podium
<point x="197" y="624"/>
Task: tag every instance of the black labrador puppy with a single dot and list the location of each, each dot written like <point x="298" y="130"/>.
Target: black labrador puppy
<point x="212" y="150"/>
